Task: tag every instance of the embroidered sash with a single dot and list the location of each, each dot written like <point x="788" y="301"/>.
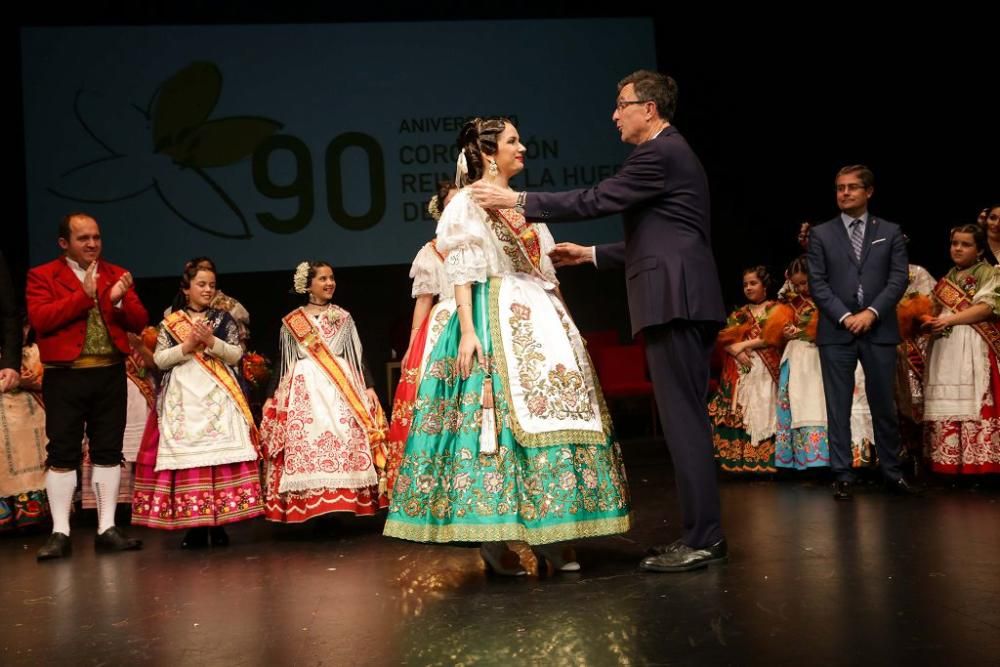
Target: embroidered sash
<point x="179" y="325"/>
<point x="136" y="375"/>
<point x="769" y="355"/>
<point x="520" y="240"/>
<point x="955" y="298"/>
<point x="304" y="331"/>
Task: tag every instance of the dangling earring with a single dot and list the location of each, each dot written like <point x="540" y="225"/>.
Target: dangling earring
<point x="493" y="169"/>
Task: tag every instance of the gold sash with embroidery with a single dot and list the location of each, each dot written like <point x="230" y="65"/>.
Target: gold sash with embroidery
<point x="955" y="298"/>
<point x="769" y="355"/>
<point x="511" y="228"/>
<point x="179" y="325"/>
<point x="304" y="331"/>
<point x="132" y="370"/>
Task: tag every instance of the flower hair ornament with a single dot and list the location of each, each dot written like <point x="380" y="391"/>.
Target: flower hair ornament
<point x="434" y="208"/>
<point x="461" y="170"/>
<point x="300" y="283"/>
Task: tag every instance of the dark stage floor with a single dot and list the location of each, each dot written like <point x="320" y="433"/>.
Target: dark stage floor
<point x="883" y="580"/>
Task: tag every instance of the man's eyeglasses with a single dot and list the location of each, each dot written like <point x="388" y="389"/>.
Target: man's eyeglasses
<point x="621" y="104"/>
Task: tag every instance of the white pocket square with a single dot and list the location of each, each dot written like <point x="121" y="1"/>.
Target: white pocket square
<point x="877" y="241"/>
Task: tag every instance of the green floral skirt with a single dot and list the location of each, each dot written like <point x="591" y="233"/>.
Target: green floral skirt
<point x="447" y="491"/>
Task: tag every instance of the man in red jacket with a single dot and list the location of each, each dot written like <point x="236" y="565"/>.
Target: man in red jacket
<point x="81" y="308"/>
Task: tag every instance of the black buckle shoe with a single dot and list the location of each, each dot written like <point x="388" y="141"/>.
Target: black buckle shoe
<point x="195" y="538"/>
<point x="685" y="558"/>
<point x="113" y="539"/>
<point x="842" y="491"/>
<point x="57" y="546"/>
<point x="901" y="487"/>
<point x="218" y="536"/>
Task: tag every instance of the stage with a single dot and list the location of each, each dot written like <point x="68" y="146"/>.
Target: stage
<point x="881" y="580"/>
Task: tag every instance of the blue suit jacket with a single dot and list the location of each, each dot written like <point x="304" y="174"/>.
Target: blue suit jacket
<point x="662" y="193"/>
<point x="834" y="275"/>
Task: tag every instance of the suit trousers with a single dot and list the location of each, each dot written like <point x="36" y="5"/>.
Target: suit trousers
<point x="679" y="355"/>
<point x="78" y="399"/>
<point x="838" y="363"/>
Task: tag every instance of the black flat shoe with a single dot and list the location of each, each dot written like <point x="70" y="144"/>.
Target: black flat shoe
<point x="842" y="491"/>
<point x="901" y="487"/>
<point x="57" y="546"/>
<point x="195" y="538"/>
<point x="685" y="558"/>
<point x="218" y="537"/>
<point x="113" y="539"/>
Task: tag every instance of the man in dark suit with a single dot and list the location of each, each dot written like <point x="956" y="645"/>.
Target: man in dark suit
<point x="82" y="308"/>
<point x="673" y="290"/>
<point x="857" y="274"/>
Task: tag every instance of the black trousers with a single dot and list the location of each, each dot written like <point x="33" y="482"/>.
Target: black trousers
<point x="879" y="363"/>
<point x="679" y="355"/>
<point x="84" y="398"/>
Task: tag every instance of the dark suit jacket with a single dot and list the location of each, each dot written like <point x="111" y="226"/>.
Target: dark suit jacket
<point x="662" y="193"/>
<point x="58" y="307"/>
<point x="834" y="274"/>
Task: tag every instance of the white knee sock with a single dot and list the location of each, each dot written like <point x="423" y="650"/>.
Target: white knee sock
<point x="106" y="481"/>
<point x="60" y="486"/>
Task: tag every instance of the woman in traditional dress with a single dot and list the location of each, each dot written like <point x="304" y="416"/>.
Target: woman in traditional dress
<point x="324" y="430"/>
<point x="510" y="438"/>
<point x="23" y="502"/>
<point x="744" y="408"/>
<point x="961" y="409"/>
<point x="434" y="298"/>
<point x="197" y="466"/>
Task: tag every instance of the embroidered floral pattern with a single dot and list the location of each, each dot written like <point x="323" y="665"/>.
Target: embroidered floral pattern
<point x="559" y="393"/>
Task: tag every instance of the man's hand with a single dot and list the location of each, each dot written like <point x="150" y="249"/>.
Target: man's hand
<point x="90" y="281"/>
<point x="121" y="286"/>
<point x="860" y="323"/>
<point x="9" y="379"/>
<point x="492" y="196"/>
<point x="570" y="254"/>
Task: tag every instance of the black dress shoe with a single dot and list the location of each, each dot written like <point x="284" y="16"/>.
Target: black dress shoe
<point x="842" y="491"/>
<point x="195" y="538"/>
<point x="685" y="558"/>
<point x="57" y="546"/>
<point x="660" y="549"/>
<point x="901" y="487"/>
<point x="218" y="536"/>
<point x="113" y="539"/>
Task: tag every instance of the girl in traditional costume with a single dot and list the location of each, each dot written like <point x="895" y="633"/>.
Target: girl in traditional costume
<point x="434" y="304"/>
<point x="197" y="466"/>
<point x="961" y="412"/>
<point x="744" y="408"/>
<point x="324" y="431"/>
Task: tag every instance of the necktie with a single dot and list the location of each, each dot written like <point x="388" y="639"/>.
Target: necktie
<point x="857" y="241"/>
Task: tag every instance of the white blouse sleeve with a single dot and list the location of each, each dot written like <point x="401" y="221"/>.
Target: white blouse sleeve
<point x="547" y="243"/>
<point x="462" y="239"/>
<point x="229" y="353"/>
<point x="424" y="272"/>
<point x="989" y="291"/>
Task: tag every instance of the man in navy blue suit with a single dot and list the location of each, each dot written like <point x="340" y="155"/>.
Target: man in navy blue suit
<point x="673" y="290"/>
<point x="857" y="274"/>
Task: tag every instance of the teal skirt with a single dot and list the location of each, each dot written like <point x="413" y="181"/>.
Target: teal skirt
<point x="447" y="491"/>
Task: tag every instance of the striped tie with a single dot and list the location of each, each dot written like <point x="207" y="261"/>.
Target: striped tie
<point x="857" y="241"/>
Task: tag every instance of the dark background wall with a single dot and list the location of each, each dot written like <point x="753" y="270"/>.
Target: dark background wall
<point x="774" y="103"/>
